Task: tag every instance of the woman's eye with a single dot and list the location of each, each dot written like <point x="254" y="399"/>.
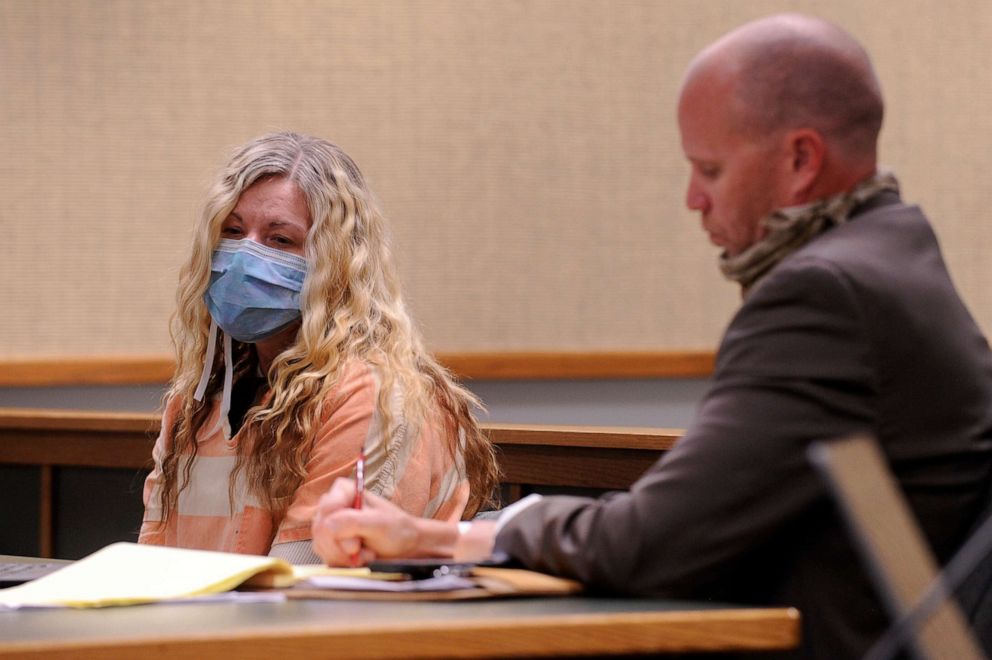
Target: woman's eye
<point x="231" y="231"/>
<point x="281" y="240"/>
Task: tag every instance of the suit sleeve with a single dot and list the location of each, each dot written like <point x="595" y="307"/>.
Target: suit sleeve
<point x="794" y="367"/>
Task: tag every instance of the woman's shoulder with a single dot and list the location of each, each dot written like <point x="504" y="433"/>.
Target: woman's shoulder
<point x="356" y="386"/>
<point x="171" y="410"/>
<point x="354" y="374"/>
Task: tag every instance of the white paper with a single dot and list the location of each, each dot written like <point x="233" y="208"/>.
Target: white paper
<point x="443" y="583"/>
<point x="228" y="596"/>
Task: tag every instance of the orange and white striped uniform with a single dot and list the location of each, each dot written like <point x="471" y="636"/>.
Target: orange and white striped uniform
<point x="415" y="471"/>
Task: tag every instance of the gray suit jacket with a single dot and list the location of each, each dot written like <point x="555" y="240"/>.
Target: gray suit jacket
<point x="859" y="330"/>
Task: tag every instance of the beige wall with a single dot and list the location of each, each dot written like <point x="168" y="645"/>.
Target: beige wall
<point x="525" y="152"/>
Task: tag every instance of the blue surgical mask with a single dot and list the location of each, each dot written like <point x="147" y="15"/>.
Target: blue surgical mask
<point x="254" y="290"/>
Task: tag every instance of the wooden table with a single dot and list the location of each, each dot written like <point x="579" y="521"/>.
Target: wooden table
<point x="529" y="455"/>
<point x="366" y="629"/>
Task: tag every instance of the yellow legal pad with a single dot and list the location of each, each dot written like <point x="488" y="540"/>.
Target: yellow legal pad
<point x="129" y="573"/>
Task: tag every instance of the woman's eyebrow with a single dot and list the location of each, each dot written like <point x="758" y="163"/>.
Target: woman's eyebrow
<point x="283" y="223"/>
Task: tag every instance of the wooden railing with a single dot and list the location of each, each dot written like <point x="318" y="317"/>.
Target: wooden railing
<point x="528" y="365"/>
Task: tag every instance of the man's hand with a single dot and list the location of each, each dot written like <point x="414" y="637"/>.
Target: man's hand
<point x="378" y="529"/>
<point x="344" y="536"/>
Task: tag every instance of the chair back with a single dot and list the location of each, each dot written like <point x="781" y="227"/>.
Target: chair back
<point x="975" y="593"/>
<point x="896" y="552"/>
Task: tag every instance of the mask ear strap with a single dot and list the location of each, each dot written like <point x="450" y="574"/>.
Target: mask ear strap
<point x="208" y="361"/>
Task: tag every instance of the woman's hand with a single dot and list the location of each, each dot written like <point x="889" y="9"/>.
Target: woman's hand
<point x="344" y="536"/>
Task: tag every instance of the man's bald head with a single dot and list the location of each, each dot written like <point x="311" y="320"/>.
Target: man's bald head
<point x="792" y="71"/>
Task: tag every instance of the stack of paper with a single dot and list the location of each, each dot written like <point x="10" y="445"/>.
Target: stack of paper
<point x="128" y="573"/>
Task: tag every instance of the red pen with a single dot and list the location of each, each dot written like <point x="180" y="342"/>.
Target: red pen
<point x="359" y="480"/>
<point x="359" y="487"/>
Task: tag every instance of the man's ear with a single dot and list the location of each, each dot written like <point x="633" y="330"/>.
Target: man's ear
<point x="806" y="153"/>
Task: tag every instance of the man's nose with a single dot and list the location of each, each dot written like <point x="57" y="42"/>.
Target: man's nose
<point x="696" y="199"/>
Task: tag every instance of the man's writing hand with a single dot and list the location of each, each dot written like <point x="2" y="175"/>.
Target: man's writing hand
<point x="378" y="529"/>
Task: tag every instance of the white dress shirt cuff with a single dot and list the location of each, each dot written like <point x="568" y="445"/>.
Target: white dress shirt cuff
<point x="514" y="509"/>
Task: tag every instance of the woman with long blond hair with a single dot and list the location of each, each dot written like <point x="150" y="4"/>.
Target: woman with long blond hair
<point x="295" y="356"/>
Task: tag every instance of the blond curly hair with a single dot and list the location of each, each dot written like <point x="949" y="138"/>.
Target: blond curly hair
<point x="351" y="309"/>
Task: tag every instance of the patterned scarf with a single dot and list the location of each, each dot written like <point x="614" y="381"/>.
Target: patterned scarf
<point x="792" y="227"/>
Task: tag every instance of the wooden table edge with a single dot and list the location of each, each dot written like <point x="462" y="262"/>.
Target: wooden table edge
<point x="632" y="632"/>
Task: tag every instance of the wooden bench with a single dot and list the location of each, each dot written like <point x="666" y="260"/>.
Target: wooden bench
<point x="529" y="456"/>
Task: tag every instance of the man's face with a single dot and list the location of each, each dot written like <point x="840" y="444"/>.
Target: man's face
<point x="735" y="180"/>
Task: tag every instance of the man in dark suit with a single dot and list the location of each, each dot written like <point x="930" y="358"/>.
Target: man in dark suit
<point x="850" y="323"/>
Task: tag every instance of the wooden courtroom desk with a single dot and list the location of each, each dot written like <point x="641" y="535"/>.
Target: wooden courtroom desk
<point x="529" y="455"/>
<point x="368" y="629"/>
